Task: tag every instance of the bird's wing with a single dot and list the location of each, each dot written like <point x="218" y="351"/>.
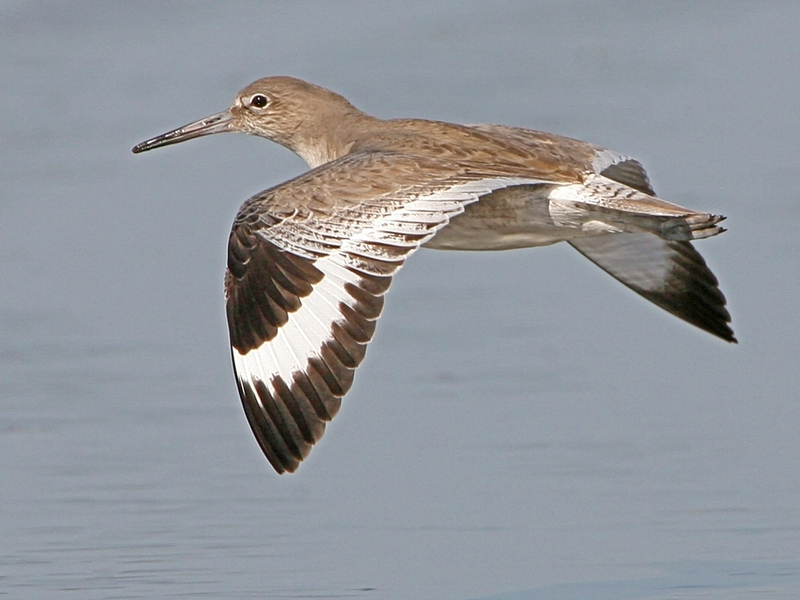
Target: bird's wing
<point x="669" y="273"/>
<point x="651" y="251"/>
<point x="308" y="264"/>
<point x="624" y="169"/>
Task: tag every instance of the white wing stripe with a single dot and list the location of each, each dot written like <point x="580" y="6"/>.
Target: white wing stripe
<point x="307" y="329"/>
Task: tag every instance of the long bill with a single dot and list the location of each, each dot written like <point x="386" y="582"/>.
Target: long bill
<point x="217" y="123"/>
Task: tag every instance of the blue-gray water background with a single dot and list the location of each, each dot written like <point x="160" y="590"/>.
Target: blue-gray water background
<point x="524" y="427"/>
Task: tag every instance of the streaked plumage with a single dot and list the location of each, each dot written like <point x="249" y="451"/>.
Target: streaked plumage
<point x="310" y="260"/>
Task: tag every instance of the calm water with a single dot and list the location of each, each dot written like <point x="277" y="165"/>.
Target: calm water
<point x="524" y="427"/>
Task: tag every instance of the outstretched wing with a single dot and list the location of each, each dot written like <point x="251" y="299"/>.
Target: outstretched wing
<point x="669" y="273"/>
<point x="308" y="265"/>
<point x="658" y="262"/>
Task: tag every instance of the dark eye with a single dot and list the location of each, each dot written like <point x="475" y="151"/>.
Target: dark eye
<point x="259" y="101"/>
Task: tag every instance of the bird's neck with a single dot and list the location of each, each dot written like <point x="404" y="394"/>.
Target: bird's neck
<point x="342" y="132"/>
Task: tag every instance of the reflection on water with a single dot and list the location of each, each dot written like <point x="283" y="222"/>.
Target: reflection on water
<point x="522" y="426"/>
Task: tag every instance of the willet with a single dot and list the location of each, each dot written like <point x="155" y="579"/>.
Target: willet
<point x="310" y="260"/>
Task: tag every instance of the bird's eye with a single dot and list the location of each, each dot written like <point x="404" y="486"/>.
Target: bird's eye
<point x="259" y="101"/>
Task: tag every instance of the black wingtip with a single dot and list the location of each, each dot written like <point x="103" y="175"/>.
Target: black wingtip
<point x="716" y="326"/>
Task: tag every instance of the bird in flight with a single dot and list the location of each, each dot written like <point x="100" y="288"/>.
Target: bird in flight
<point x="309" y="260"/>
